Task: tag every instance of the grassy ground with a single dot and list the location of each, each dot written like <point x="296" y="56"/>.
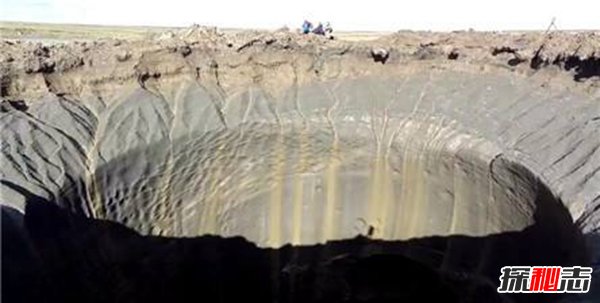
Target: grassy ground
<point x="22" y="30"/>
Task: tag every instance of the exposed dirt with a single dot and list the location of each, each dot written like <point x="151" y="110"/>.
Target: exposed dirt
<point x="296" y="139"/>
<point x="576" y="54"/>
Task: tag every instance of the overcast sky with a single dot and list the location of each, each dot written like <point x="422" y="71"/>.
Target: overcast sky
<point x="383" y="15"/>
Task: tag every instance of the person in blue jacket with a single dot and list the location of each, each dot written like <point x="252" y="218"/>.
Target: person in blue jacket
<point x="306" y="27"/>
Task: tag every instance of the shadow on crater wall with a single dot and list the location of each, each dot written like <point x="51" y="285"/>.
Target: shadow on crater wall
<point x="57" y="256"/>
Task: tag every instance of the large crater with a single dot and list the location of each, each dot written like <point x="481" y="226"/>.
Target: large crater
<point x="461" y="169"/>
<point x="312" y="181"/>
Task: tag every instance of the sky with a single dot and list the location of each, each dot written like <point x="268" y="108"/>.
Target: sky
<point x="373" y="15"/>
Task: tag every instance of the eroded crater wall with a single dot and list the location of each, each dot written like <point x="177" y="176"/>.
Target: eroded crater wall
<point x="165" y="142"/>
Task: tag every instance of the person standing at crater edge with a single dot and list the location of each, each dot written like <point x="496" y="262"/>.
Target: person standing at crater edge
<point x="306" y="27"/>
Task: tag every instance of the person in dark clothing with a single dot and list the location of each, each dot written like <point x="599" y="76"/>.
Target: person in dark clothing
<point x="319" y="30"/>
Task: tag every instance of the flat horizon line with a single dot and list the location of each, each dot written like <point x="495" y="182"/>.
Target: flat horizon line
<point x="9" y="23"/>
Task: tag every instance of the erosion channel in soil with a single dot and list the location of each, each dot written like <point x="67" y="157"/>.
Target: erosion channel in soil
<point x="279" y="167"/>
